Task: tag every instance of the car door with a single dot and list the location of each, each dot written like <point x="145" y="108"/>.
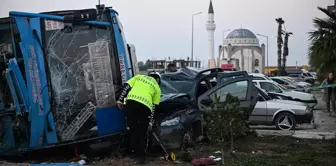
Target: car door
<point x="259" y="114"/>
<point x="241" y="87"/>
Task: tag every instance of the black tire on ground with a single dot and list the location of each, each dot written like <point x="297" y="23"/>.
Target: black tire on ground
<point x="283" y="114"/>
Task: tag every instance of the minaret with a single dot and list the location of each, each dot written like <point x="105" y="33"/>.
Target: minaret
<point x="211" y="26"/>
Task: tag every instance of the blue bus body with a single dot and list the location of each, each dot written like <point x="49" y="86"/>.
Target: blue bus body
<point x="60" y="72"/>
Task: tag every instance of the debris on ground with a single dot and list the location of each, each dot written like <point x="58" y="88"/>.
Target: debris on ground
<point x="266" y="151"/>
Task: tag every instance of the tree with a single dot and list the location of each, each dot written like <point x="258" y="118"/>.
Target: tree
<point x="226" y="123"/>
<point x="141" y="64"/>
<point x="285" y="50"/>
<point x="144" y="66"/>
<point x="322" y="49"/>
<point x="280" y="21"/>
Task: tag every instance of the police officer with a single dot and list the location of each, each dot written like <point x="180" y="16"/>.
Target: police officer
<point x="143" y="95"/>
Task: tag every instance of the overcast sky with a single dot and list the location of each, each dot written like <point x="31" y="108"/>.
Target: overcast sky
<point x="162" y="28"/>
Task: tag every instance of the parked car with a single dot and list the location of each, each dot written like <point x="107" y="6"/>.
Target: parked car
<point x="276" y="89"/>
<point x="306" y="73"/>
<point x="292" y="84"/>
<point x="284" y="114"/>
<point x="259" y="76"/>
<point x="285" y="83"/>
<point x="297" y="81"/>
<point x="301" y="77"/>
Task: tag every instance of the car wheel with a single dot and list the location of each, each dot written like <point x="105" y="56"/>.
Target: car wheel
<point x="285" y="121"/>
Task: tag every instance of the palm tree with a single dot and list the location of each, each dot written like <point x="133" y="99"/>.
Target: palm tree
<point x="285" y="50"/>
<point x="280" y="21"/>
<point x="322" y="49"/>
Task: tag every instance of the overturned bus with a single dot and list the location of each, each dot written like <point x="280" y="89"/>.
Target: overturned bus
<point x="60" y="74"/>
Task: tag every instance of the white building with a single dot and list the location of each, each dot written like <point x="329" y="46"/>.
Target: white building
<point x="242" y="50"/>
<point x="210" y="27"/>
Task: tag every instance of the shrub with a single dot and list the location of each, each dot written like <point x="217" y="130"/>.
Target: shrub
<point x="226" y="122"/>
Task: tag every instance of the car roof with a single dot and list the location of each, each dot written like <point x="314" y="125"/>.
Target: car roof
<point x="263" y="81"/>
<point x="282" y="77"/>
<point x="257" y="74"/>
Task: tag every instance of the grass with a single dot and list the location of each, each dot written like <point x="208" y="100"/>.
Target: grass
<point x="260" y="151"/>
<point x="250" y="151"/>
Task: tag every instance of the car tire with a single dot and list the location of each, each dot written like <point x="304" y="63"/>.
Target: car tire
<point x="285" y="121"/>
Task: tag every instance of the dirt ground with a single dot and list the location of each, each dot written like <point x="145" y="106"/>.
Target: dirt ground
<point x="252" y="151"/>
<point x="262" y="151"/>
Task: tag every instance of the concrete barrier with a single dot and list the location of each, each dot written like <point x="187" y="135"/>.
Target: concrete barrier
<point x="299" y="134"/>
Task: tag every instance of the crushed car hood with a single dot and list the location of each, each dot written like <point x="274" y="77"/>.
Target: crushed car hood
<point x="171" y="96"/>
<point x="289" y="102"/>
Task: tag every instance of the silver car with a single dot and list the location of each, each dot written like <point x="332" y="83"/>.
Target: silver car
<point x="276" y="89"/>
<point x="284" y="114"/>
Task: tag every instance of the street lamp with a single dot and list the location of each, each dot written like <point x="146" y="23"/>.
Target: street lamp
<point x="267" y="45"/>
<point x="192" y="38"/>
<point x="224" y="31"/>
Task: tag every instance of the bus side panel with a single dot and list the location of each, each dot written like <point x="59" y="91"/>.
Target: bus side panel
<point x="121" y="49"/>
<point x="128" y="60"/>
<point x="36" y="81"/>
<point x="50" y="129"/>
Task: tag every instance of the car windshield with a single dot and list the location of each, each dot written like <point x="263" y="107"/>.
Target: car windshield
<point x="280" y="86"/>
<point x="176" y="87"/>
<point x="263" y="94"/>
<point x="289" y="80"/>
<point x="295" y="79"/>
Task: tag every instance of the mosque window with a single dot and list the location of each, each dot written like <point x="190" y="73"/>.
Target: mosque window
<point x="256" y="62"/>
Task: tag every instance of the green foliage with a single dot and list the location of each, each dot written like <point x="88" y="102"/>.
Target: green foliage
<point x="226" y="121"/>
<point x="322" y="50"/>
<point x="144" y="66"/>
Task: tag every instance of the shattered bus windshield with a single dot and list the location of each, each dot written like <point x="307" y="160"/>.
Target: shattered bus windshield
<point x="82" y="69"/>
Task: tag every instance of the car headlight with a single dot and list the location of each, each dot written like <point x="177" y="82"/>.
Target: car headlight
<point x="308" y="110"/>
<point x="171" y="122"/>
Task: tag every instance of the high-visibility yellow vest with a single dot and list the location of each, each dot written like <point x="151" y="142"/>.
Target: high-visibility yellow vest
<point x="145" y="90"/>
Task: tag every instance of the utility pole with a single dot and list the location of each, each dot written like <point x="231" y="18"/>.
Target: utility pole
<point x="266" y="48"/>
<point x="192" y="38"/>
<point x="224" y="31"/>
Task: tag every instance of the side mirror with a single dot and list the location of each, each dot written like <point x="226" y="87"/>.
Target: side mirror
<point x="207" y="101"/>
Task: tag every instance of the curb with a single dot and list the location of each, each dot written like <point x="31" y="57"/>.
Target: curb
<point x="299" y="134"/>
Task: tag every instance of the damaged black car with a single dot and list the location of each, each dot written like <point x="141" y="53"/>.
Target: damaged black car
<point x="186" y="98"/>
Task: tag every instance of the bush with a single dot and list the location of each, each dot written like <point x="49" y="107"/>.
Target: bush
<point x="226" y="122"/>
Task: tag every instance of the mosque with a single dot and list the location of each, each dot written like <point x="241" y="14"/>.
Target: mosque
<point x="241" y="49"/>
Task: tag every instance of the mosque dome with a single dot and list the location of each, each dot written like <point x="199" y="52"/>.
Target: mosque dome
<point x="241" y="33"/>
<point x="242" y="37"/>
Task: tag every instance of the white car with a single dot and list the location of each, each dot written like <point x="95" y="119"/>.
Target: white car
<point x="301" y="83"/>
<point x="288" y="81"/>
<point x="259" y="76"/>
<point x="277" y="89"/>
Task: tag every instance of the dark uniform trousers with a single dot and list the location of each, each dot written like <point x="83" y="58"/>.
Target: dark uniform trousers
<point x="138" y="123"/>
